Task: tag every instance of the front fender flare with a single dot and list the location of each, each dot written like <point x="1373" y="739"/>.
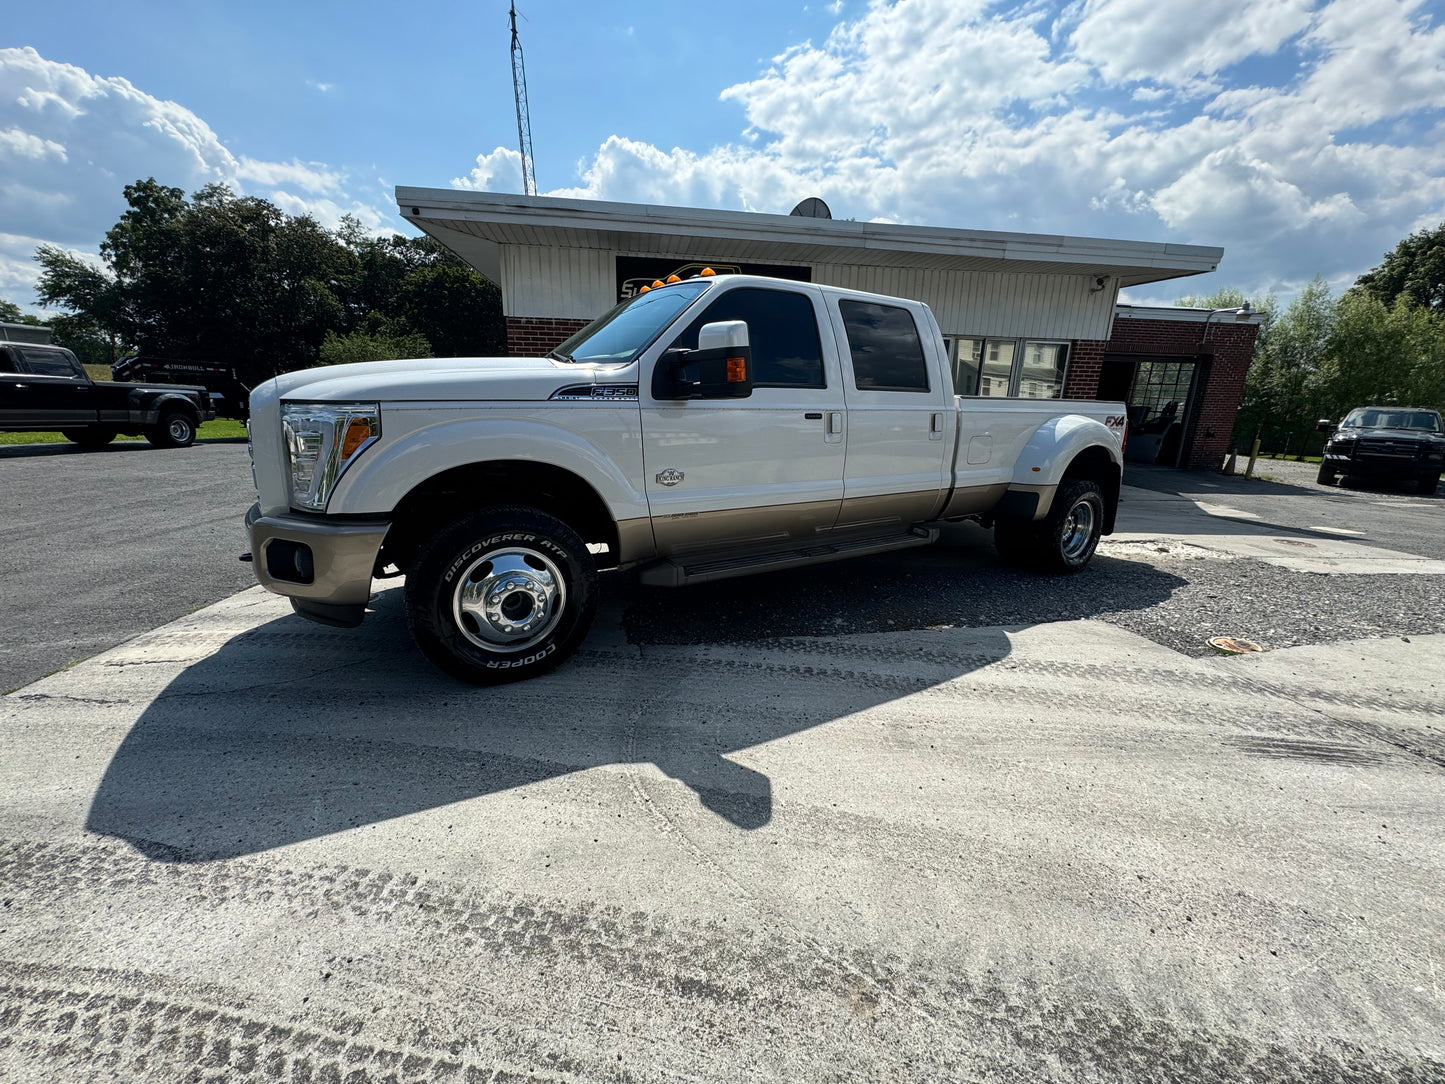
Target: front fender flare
<point x="381" y="477"/>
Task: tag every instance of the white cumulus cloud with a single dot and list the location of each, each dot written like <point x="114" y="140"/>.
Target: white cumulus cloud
<point x="70" y="141"/>
<point x="1120" y="118"/>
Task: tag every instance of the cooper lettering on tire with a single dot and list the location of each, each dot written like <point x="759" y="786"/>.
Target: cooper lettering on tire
<point x="501" y="595"/>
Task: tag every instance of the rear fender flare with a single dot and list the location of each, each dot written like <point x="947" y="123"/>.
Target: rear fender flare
<point x="1046" y="458"/>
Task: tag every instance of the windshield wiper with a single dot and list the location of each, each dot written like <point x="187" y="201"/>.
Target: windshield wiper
<point x="562" y="357"/>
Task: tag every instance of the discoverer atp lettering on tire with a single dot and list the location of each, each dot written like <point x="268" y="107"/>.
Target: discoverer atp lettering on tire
<point x="489" y="605"/>
<point x="716" y="426"/>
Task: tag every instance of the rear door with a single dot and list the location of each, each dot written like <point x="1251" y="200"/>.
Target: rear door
<point x="901" y="420"/>
<point x="761" y="471"/>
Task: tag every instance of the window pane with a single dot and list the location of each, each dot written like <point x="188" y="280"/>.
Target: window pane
<point x="967" y="356"/>
<point x="782" y="333"/>
<point x="1042" y="376"/>
<point x="49" y="362"/>
<point x="998" y="367"/>
<point x="887" y="352"/>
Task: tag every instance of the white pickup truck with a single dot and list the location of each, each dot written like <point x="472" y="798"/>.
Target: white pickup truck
<point x="706" y="428"/>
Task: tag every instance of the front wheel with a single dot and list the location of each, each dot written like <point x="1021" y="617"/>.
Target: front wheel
<point x="176" y="430"/>
<point x="1429" y="484"/>
<point x="1326" y="476"/>
<point x="501" y="595"/>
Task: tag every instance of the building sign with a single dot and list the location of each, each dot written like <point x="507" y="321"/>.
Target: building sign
<point x="635" y="272"/>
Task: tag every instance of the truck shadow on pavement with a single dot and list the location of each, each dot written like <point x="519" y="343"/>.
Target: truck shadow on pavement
<point x="291" y="731"/>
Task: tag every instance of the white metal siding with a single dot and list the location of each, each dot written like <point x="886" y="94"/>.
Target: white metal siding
<point x="572" y="283"/>
<point x="981" y="303"/>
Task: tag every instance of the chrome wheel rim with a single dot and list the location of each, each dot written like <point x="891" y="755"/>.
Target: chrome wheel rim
<point x="509" y="599"/>
<point x="180" y="429"/>
<point x="1078" y="530"/>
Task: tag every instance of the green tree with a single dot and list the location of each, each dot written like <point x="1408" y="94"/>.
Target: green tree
<point x="10" y="313"/>
<point x="458" y="311"/>
<point x="1282" y="393"/>
<point x="373" y="346"/>
<point x="1383" y="353"/>
<point x="1415" y="269"/>
<point x="218" y="278"/>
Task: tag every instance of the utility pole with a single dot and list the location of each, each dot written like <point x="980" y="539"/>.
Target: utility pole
<point x="524" y="118"/>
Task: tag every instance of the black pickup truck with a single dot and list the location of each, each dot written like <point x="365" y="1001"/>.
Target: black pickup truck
<point x="1399" y="443"/>
<point x="46" y="388"/>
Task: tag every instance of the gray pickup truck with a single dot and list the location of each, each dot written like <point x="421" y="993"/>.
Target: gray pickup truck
<point x="45" y="388"/>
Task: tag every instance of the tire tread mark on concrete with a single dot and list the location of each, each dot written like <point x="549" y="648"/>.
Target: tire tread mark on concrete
<point x="1001" y="1034"/>
<point x="138" y="1036"/>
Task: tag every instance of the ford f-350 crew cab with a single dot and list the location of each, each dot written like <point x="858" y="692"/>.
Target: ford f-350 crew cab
<point x="712" y="427"/>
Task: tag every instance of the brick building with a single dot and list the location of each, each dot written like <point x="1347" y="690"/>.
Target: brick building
<point x="1023" y="315"/>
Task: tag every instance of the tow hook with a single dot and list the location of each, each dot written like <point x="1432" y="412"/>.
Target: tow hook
<point x="246" y="557"/>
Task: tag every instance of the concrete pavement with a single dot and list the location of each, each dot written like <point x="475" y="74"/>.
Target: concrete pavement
<point x="244" y="847"/>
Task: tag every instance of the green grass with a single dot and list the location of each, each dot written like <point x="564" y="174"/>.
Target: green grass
<point x="220" y="429"/>
<point x="1293" y="458"/>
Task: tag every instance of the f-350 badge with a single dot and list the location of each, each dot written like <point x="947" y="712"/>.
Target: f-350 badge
<point x="670" y="477"/>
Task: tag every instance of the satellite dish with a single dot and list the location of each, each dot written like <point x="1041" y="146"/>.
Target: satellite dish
<point x="812" y="207"/>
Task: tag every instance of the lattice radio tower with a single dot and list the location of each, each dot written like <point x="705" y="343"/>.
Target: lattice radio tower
<point x="524" y="118"/>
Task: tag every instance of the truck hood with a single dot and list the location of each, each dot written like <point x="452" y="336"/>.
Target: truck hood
<point x="433" y="380"/>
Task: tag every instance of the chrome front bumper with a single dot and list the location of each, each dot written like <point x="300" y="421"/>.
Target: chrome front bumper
<point x="324" y="567"/>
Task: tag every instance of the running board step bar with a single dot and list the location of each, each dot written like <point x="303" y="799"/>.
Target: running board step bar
<point x="704" y="568"/>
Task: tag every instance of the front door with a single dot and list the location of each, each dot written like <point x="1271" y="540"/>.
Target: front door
<point x="758" y="472"/>
<point x="56" y="392"/>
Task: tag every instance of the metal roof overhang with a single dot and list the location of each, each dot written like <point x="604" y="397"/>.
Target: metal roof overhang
<point x="476" y="224"/>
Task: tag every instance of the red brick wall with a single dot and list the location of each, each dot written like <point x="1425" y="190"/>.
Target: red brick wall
<point x="1086" y="365"/>
<point x="533" y="336"/>
<point x="1224" y="358"/>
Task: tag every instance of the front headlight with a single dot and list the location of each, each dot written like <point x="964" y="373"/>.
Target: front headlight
<point x="322" y="440"/>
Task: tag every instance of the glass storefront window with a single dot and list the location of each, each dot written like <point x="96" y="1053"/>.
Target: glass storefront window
<point x="998" y="367"/>
<point x="1042" y="373"/>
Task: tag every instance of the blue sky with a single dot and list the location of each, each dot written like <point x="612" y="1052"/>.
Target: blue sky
<point x="1303" y="136"/>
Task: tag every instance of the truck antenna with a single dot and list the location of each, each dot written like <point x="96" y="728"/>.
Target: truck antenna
<point x="524" y="118"/>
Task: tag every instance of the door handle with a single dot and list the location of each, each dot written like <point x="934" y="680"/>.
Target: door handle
<point x="835" y="422"/>
<point x="935" y="426"/>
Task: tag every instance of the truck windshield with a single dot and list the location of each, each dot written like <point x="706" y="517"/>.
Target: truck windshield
<point x="631" y="327"/>
<point x="1424" y="420"/>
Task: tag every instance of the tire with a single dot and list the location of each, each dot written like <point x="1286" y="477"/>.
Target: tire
<point x="91" y="437"/>
<point x="1065" y="541"/>
<point x="1429" y="484"/>
<point x="1326" y="476"/>
<point x="538" y="571"/>
<point x="177" y="429"/>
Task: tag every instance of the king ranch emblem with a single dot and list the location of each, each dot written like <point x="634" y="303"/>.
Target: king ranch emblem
<point x="670" y="477"/>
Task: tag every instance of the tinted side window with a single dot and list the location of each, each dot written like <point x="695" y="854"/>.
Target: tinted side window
<point x="50" y="362"/>
<point x="9" y="363"/>
<point x="782" y="331"/>
<point x="887" y="352"/>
